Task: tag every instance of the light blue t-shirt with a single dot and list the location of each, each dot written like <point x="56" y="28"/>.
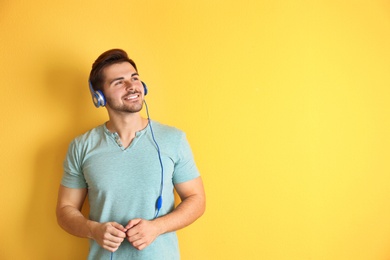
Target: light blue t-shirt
<point x="124" y="183"/>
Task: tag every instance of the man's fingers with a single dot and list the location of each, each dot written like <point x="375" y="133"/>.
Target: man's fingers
<point x="133" y="237"/>
<point x="112" y="242"/>
<point x="139" y="245"/>
<point x="132" y="223"/>
<point x="111" y="248"/>
<point x="118" y="226"/>
<point x="117" y="230"/>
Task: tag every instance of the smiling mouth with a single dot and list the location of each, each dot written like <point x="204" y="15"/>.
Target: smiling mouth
<point x="131" y="96"/>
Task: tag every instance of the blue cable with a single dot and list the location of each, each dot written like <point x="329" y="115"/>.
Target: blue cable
<point x="159" y="199"/>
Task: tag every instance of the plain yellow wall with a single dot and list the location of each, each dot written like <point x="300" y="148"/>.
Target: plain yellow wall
<point x="285" y="103"/>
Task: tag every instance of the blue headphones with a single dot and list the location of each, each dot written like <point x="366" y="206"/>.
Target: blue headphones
<point x="98" y="97"/>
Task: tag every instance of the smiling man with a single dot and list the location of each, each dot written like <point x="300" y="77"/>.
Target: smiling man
<point x="128" y="169"/>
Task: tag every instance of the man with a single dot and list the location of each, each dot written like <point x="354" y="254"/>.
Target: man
<point x="128" y="167"/>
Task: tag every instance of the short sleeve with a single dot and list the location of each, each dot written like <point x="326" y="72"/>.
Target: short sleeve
<point x="185" y="167"/>
<point x="73" y="176"/>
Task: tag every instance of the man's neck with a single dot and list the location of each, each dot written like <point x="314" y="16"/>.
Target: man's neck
<point x="126" y="127"/>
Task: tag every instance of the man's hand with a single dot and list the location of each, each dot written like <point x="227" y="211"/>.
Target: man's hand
<point x="108" y="235"/>
<point x="141" y="233"/>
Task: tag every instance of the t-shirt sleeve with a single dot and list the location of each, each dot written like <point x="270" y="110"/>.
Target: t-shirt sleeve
<point x="185" y="167"/>
<point x="73" y="176"/>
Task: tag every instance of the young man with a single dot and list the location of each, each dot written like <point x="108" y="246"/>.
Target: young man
<point x="128" y="167"/>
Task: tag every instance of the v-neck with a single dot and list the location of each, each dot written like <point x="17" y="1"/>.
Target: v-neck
<point x="117" y="140"/>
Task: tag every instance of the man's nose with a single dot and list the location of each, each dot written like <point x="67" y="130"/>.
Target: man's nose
<point x="129" y="86"/>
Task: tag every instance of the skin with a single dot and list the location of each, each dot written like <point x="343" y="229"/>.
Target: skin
<point x="124" y="94"/>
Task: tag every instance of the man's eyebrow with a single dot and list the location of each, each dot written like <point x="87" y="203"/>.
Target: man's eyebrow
<point x="121" y="78"/>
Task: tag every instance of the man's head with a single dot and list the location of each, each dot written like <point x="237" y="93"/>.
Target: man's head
<point x="96" y="77"/>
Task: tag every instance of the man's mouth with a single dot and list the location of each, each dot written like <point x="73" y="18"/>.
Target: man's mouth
<point x="131" y="96"/>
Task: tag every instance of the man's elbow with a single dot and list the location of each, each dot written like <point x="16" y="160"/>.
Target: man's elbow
<point x="201" y="205"/>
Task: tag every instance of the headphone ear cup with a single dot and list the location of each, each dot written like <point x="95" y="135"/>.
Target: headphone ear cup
<point x="145" y="88"/>
<point x="97" y="96"/>
<point x="98" y="99"/>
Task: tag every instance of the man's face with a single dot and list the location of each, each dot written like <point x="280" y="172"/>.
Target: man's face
<point x="123" y="88"/>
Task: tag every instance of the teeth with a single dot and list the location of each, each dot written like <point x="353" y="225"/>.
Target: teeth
<point x="132" y="97"/>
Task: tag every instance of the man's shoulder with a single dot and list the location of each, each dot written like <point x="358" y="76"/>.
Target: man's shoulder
<point x="90" y="135"/>
<point x="168" y="135"/>
<point x="166" y="129"/>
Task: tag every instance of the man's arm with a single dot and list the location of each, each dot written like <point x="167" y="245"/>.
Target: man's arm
<point x="142" y="233"/>
<point x="70" y="201"/>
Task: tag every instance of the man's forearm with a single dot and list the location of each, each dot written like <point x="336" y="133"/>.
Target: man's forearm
<point x="73" y="221"/>
<point x="183" y="215"/>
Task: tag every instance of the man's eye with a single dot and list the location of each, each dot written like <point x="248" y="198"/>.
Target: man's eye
<point x="118" y="83"/>
<point x="135" y="78"/>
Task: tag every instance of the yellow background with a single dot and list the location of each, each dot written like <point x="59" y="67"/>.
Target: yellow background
<point x="285" y="103"/>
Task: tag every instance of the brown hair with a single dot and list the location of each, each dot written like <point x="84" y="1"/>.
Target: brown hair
<point x="106" y="59"/>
